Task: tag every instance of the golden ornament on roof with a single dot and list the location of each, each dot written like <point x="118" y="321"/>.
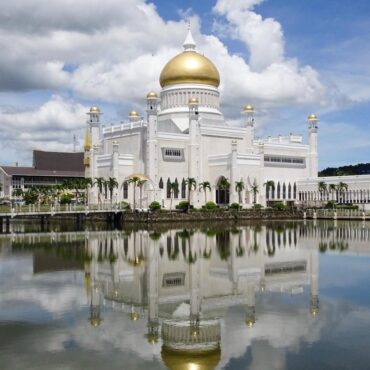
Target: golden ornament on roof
<point x="248" y="108"/>
<point x="94" y="109"/>
<point x="133" y="113"/>
<point x="312" y="117"/>
<point x="151" y="95"/>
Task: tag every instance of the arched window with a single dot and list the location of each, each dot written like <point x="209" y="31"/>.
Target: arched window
<point x="168" y="188"/>
<point x="278" y="191"/>
<point x="284" y="191"/>
<point x="160" y="183"/>
<point x="289" y="191"/>
<point x="183" y="189"/>
<point x="125" y="190"/>
<point x="294" y="191"/>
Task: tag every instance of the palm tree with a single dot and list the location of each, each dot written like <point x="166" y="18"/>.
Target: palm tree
<point x="270" y="184"/>
<point x="204" y="186"/>
<point x="174" y="188"/>
<point x="332" y="189"/>
<point x="17" y="193"/>
<point x="192" y="184"/>
<point x="111" y="184"/>
<point x="323" y="188"/>
<point x="99" y="182"/>
<point x="342" y="186"/>
<point x="140" y="184"/>
<point x="254" y="190"/>
<point x="224" y="185"/>
<point x="239" y="187"/>
<point x="134" y="180"/>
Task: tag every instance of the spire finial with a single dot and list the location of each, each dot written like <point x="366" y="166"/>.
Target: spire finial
<point x="189" y="43"/>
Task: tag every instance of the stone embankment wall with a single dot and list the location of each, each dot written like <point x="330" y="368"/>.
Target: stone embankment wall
<point x="165" y="216"/>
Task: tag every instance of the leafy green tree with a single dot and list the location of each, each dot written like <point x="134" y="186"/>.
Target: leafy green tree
<point x="323" y="188"/>
<point x="332" y="190"/>
<point x="342" y="187"/>
<point x="239" y="187"/>
<point x="140" y="184"/>
<point x="18" y="193"/>
<point x="204" y="186"/>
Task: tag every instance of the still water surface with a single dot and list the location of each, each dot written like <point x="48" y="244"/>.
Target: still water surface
<point x="282" y="295"/>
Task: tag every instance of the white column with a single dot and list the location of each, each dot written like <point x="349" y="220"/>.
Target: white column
<point x="233" y="172"/>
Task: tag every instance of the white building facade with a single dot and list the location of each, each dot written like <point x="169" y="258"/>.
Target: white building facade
<point x="184" y="135"/>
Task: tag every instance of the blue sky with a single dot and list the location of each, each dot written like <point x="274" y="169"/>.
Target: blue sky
<point x="58" y="59"/>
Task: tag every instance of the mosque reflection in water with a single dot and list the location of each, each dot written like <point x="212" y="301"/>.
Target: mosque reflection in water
<point x="183" y="281"/>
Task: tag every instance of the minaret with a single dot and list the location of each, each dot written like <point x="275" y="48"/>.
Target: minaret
<point x="133" y="116"/>
<point x="193" y="148"/>
<point x="248" y="112"/>
<point x="314" y="282"/>
<point x="233" y="172"/>
<point x="250" y="313"/>
<point x="115" y="165"/>
<point x="312" y="141"/>
<point x="151" y="161"/>
<point x="94" y="123"/>
<point x="87" y="148"/>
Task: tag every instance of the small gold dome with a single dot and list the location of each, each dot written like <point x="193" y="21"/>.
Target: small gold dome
<point x="248" y="108"/>
<point x="133" y="113"/>
<point x="193" y="101"/>
<point x="189" y="67"/>
<point x="312" y="117"/>
<point x="94" y="109"/>
<point x="151" y="95"/>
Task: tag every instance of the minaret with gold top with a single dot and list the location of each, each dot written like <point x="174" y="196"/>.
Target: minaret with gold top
<point x="87" y="154"/>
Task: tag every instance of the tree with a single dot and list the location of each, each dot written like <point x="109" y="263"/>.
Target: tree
<point x="270" y="184"/>
<point x="239" y="187"/>
<point x="332" y="189"/>
<point x="204" y="186"/>
<point x="99" y="182"/>
<point x="192" y="185"/>
<point x="134" y="180"/>
<point x="18" y="192"/>
<point x="323" y="188"/>
<point x="140" y="184"/>
<point x="254" y="190"/>
<point x="111" y="184"/>
<point x="342" y="187"/>
<point x="174" y="188"/>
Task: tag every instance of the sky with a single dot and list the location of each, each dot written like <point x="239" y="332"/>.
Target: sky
<point x="288" y="58"/>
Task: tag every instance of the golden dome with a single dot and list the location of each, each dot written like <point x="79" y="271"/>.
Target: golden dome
<point x="177" y="360"/>
<point x="312" y="117"/>
<point x="248" y="108"/>
<point x="133" y="113"/>
<point x="151" y="95"/>
<point x="94" y="109"/>
<point x="189" y="67"/>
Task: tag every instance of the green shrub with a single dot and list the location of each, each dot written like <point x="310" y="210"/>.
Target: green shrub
<point x="257" y="206"/>
<point x="235" y="206"/>
<point x="331" y="204"/>
<point x="210" y="206"/>
<point x="65" y="198"/>
<point x="155" y="206"/>
<point x="125" y="205"/>
<point x="30" y="196"/>
<point x="183" y="205"/>
<point x="278" y="206"/>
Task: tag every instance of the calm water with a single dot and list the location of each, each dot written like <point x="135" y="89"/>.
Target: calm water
<point x="256" y="296"/>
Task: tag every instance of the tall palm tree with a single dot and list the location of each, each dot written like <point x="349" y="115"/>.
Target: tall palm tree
<point x="254" y="190"/>
<point x="140" y="184"/>
<point x="342" y="187"/>
<point x="99" y="182"/>
<point x="134" y="180"/>
<point x="111" y="184"/>
<point x="270" y="184"/>
<point x="239" y="187"/>
<point x="174" y="188"/>
<point x="204" y="186"/>
<point x="323" y="188"/>
<point x="192" y="185"/>
<point x="332" y="189"/>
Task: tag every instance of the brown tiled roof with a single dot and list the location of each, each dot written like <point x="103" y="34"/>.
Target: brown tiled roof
<point x="58" y="161"/>
<point x="30" y="171"/>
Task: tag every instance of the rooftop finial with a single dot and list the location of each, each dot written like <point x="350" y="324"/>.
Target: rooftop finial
<point x="189" y="43"/>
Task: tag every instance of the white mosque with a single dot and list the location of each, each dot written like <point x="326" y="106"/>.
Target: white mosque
<point x="185" y="135"/>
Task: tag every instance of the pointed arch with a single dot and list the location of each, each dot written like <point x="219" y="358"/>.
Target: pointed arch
<point x="160" y="185"/>
<point x="168" y="188"/>
<point x="183" y="189"/>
